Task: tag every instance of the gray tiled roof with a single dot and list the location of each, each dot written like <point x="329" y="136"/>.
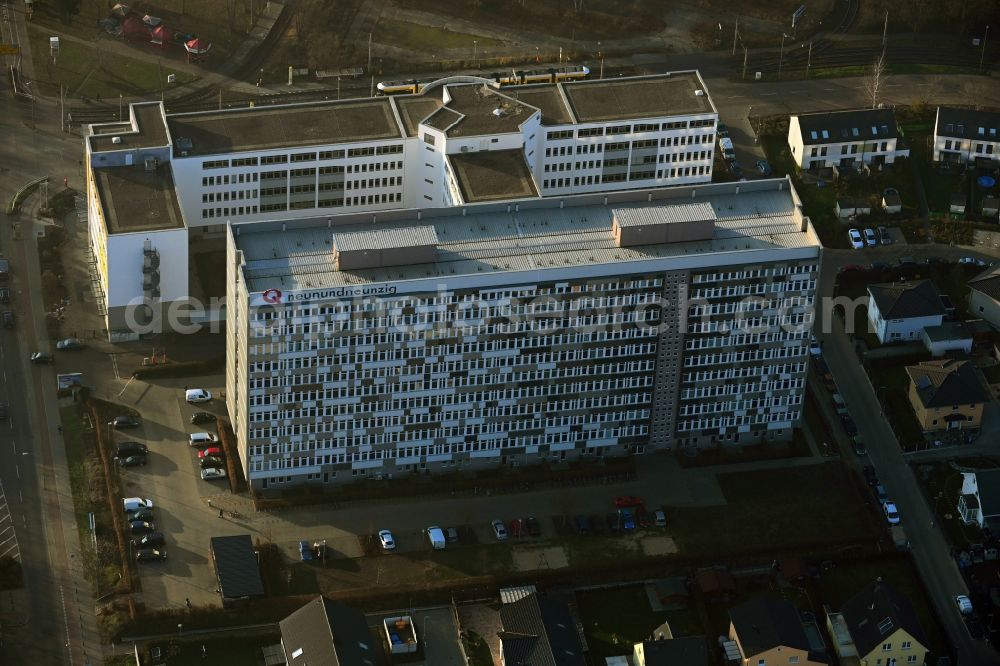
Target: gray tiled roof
<point x="848" y="126"/>
<point x="328" y="634"/>
<point x="987" y="282"/>
<point x="965" y="123"/>
<point x="988" y="484"/>
<point x="901" y="300"/>
<point x="764" y="623"/>
<point x="876" y="613"/>
<point x="539" y="632"/>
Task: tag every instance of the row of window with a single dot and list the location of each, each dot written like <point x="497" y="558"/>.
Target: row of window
<point x="556" y="135"/>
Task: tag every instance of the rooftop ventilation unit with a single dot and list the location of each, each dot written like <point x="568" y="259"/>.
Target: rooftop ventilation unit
<point x="116" y="140"/>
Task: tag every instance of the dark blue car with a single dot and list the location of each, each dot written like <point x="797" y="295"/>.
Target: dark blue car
<point x="306" y="551"/>
<point x="628" y="519"/>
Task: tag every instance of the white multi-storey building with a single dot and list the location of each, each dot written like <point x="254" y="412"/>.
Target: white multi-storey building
<point x="494" y="334"/>
<point x="965" y="135"/>
<point x="461" y="140"/>
<point x="845" y="138"/>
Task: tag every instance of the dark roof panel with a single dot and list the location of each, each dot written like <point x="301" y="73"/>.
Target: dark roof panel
<point x="848" y="126"/>
<point x="943" y="383"/>
<point x="901" y="300"/>
<point x="966" y="123"/>
<point x="236" y="567"/>
<point x="876" y="613"/>
<point x="764" y="623"/>
<point x="539" y="632"/>
<point x="687" y="651"/>
<point x="322" y="632"/>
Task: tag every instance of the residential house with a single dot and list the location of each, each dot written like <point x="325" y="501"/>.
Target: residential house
<point x="979" y="503"/>
<point x="891" y="202"/>
<point x="845" y="138"/>
<point x="899" y="311"/>
<point x="990" y="207"/>
<point x="539" y="630"/>
<point x="946" y="395"/>
<point x="950" y="336"/>
<point x="848" y="208"/>
<point x="963" y="135"/>
<point x="769" y="632"/>
<point x="323" y="632"/>
<point x="883" y="628"/>
<point x="686" y="651"/>
<point x="984" y="296"/>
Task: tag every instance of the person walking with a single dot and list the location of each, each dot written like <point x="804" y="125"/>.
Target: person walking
<point x="220" y="513"/>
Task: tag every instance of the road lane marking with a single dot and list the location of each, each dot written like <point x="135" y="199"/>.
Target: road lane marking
<point x="114" y="365"/>
<point x="767" y="94"/>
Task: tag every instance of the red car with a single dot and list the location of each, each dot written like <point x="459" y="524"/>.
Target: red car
<point x="211" y="451"/>
<point x="627" y="501"/>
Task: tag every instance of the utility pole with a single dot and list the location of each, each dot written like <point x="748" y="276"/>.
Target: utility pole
<point x="744" y="63"/>
<point x="475" y="53"/>
<point x="983" y="54"/>
<point x="62" y="110"/>
<point x="809" y="61"/>
<point x="885" y="29"/>
<point x="781" y="54"/>
<point x="601" y="75"/>
<point x="370" y="53"/>
<point x="220" y="99"/>
<point x="119" y="106"/>
<point x="736" y="32"/>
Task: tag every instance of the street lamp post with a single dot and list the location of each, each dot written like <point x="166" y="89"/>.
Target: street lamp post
<point x="781" y="54"/>
<point x="982" y="55"/>
<point x="475" y="52"/>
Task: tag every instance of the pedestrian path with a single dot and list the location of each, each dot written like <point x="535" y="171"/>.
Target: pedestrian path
<point x="8" y="536"/>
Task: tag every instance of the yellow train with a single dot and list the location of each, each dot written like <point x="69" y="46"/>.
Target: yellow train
<point x="511" y="78"/>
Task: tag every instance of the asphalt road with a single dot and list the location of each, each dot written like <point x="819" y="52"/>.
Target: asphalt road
<point x="937" y="568"/>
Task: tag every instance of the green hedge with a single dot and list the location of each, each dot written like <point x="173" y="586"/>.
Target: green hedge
<point x="181" y="368"/>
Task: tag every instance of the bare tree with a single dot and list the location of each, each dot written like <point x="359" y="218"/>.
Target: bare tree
<point x="578" y="6"/>
<point x="875" y="79"/>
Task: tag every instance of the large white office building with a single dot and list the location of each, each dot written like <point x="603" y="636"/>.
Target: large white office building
<point x="500" y="334"/>
<point x="163" y="188"/>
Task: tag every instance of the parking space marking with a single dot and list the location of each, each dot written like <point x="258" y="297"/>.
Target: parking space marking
<point x="8" y="537"/>
<point x="114" y="365"/>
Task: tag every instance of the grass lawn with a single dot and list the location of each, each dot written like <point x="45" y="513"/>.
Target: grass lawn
<point x="406" y="35"/>
<point x="614" y="619"/>
<point x="864" y="70"/>
<point x="938" y="186"/>
<point x="798" y="506"/>
<point x="477" y="650"/>
<point x="236" y="651"/>
<point x="897" y="404"/>
<point x="992" y="374"/>
<point x="838" y="584"/>
<point x="86" y="73"/>
<point x="943" y="485"/>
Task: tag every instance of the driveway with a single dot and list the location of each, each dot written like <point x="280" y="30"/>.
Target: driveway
<point x="930" y="551"/>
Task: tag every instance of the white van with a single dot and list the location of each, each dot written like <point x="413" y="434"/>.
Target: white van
<point x="135" y="503"/>
<point x="436" y="537"/>
<point x="202" y="439"/>
<point x="728" y="151"/>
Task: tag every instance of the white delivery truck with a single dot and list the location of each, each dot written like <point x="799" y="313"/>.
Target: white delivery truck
<point x="435" y="536"/>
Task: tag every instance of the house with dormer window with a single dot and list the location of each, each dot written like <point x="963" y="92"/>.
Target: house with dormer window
<point x="966" y="135"/>
<point x="845" y="138"/>
<point x="878" y="627"/>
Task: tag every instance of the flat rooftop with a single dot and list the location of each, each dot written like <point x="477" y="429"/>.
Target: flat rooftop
<point x="414" y="108"/>
<point x="475" y="110"/>
<point x="491" y="175"/>
<point x="135" y="200"/>
<point x="532" y="236"/>
<point x="146" y="129"/>
<point x="545" y="97"/>
<point x="287" y="126"/>
<point x="636" y="97"/>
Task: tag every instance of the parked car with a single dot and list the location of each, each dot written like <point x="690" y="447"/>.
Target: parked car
<point x="515" y="528"/>
<point x="212" y="473"/>
<point x="305" y="551"/>
<point x="881" y="493"/>
<point x="910" y="261"/>
<point x="854" y="236"/>
<point x="870" y="477"/>
<point x="41" y="357"/>
<point x="133" y="503"/>
<point x="628" y="519"/>
<point x="197" y="395"/>
<point x="849" y="426"/>
<point x="150" y="555"/>
<point x="123" y="422"/>
<point x="210" y="451"/>
<point x="151" y="540"/>
<point x="386" y="540"/>
<point x="859" y="447"/>
<point x="451" y="535"/>
<point x="69" y="344"/>
<point x="581" y="525"/>
<point x="891" y="514"/>
<point x="660" y="518"/>
<point x="8" y="318"/>
<point x="614" y="523"/>
<point x="870" y="239"/>
<point x="499" y="531"/>
<point x="199" y="439"/>
<point x="5" y="295"/>
<point x="212" y="461"/>
<point x="975" y="627"/>
<point x="735" y="168"/>
<point x="125" y="449"/>
<point x="815" y="349"/>
<point x="764" y="168"/>
<point x="627" y="501"/>
<point x="140" y="514"/>
<point x="141" y="527"/>
<point x="131" y="461"/>
<point x="880" y="266"/>
<point x="202" y="417"/>
<point x="883" y="236"/>
<point x="964" y="604"/>
<point x="642" y="516"/>
<point x="533" y="527"/>
<point x="722" y="131"/>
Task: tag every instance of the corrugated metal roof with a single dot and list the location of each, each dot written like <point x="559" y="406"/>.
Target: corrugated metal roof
<point x="385" y="239"/>
<point x="664" y="214"/>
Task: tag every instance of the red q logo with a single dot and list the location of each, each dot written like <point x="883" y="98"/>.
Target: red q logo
<point x="272" y="296"/>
